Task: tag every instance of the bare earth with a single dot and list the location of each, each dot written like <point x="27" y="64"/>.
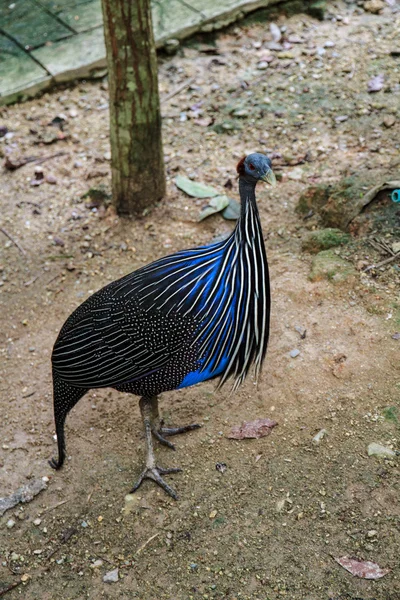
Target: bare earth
<point x="270" y="525"/>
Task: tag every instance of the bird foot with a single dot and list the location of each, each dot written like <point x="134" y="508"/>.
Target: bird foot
<point x="155" y="473"/>
<point x="166" y="431"/>
<point x="55" y="464"/>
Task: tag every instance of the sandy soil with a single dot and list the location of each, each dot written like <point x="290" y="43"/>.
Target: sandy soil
<point x="270" y="525"/>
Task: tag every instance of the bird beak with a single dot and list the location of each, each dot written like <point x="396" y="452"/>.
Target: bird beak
<point x="269" y="178"/>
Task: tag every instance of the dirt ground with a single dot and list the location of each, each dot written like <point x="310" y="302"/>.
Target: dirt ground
<point x="270" y="526"/>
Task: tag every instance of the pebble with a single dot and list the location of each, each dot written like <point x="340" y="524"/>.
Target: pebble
<point x="97" y="563"/>
<point x="296" y="174"/>
<point x="37" y="521"/>
<point x="374" y="6"/>
<point x="10" y="523"/>
<point x="372" y="533"/>
<point x="293" y="353"/>
<point x="389" y="121"/>
<point x="111" y="576"/>
<point x="262" y="65"/>
<point x="213" y="514"/>
<point x="375" y="449"/>
<point x="319" y="436"/>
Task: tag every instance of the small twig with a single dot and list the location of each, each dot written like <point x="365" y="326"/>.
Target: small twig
<point x="384" y="262"/>
<point x="104" y="558"/>
<point x="28" y="283"/>
<point x="352" y="72"/>
<point x="10" y="166"/>
<point x="66" y="535"/>
<point x="39" y="161"/>
<point x="10" y="587"/>
<point x="53" y="507"/>
<point x="13" y="240"/>
<point x="178" y="89"/>
<point x="143" y="546"/>
<point x="35" y="204"/>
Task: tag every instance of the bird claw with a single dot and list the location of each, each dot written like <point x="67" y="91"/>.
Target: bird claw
<point x="55" y="464"/>
<point x="155" y="473"/>
<point x="166" y="431"/>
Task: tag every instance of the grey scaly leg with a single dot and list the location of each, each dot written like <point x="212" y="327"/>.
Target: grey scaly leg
<point x="152" y="471"/>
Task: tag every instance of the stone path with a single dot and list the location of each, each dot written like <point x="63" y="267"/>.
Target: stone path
<point x="48" y="41"/>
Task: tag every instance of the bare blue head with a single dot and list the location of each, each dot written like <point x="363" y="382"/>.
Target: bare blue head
<point x="256" y="167"/>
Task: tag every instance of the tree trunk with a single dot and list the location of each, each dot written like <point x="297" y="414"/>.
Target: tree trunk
<point x="137" y="162"/>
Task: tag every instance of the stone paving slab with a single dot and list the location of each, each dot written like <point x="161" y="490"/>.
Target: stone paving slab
<point x="19" y="71"/>
<point x="29" y="24"/>
<point x="76" y="57"/>
<point x="48" y="41"/>
<point x="82" y="17"/>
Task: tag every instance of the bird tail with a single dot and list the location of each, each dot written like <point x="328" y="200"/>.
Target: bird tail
<point x="65" y="396"/>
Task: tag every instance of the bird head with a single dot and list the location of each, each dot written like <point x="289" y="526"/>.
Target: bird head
<point x="256" y="167"/>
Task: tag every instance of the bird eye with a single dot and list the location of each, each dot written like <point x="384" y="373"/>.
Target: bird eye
<point x="252" y="167"/>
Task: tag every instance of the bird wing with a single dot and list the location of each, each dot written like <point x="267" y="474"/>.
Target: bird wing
<point x="134" y="326"/>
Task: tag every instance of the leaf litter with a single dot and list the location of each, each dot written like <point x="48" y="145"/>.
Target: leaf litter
<point x="365" y="569"/>
<point x="252" y="429"/>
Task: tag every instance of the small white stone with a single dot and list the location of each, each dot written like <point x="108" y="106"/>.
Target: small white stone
<point x="319" y="436"/>
<point x="37" y="521"/>
<point x="111" y="576"/>
<point x="375" y="449"/>
<point x="10" y="523"/>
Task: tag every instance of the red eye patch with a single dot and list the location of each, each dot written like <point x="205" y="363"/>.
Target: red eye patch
<point x="252" y="167"/>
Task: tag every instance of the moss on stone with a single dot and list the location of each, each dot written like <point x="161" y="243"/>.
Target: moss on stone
<point x="314" y="198"/>
<point x="323" y="239"/>
<point x="327" y="265"/>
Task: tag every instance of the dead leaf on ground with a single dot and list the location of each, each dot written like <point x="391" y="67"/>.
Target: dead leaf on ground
<point x="194" y="188"/>
<point x="365" y="569"/>
<point x="252" y="429"/>
<point x="215" y="205"/>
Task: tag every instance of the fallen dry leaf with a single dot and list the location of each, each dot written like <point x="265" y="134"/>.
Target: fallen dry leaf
<point x="362" y="568"/>
<point x="252" y="429"/>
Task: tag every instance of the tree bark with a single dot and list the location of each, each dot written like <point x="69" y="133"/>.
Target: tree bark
<point x="137" y="162"/>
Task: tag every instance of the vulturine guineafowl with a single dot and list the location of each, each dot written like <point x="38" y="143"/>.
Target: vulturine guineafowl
<point x="192" y="316"/>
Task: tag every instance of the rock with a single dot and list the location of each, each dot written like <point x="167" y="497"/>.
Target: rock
<point x="37" y="522"/>
<point x="372" y="533"/>
<point x="317" y="10"/>
<point x="294" y="353"/>
<point x="262" y="65"/>
<point x="97" y="563"/>
<point x="10" y="523"/>
<point x="339" y="204"/>
<point x="375" y="449"/>
<point x="396" y="247"/>
<point x="389" y="121"/>
<point x="323" y="239"/>
<point x="374" y="6"/>
<point x="327" y="265"/>
<point x="314" y="198"/>
<point x="319" y="436"/>
<point x="111" y="576"/>
<point x="296" y="174"/>
<point x="26" y="493"/>
<point x="172" y="46"/>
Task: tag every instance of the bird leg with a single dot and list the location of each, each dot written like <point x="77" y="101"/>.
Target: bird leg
<point x="152" y="471"/>
<point x="157" y="425"/>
